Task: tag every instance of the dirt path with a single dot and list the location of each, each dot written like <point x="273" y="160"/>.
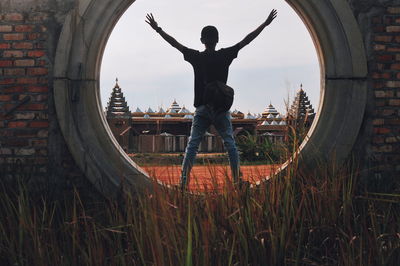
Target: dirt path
<point x="209" y="176"/>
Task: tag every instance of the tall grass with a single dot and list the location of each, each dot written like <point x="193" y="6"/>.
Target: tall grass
<point x="292" y="219"/>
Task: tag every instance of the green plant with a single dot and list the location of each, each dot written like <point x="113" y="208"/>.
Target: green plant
<point x="255" y="148"/>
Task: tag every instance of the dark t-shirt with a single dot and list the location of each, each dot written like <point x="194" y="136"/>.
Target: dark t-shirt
<point x="208" y="67"/>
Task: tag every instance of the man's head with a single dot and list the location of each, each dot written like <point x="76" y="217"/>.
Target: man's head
<point x="209" y="35"/>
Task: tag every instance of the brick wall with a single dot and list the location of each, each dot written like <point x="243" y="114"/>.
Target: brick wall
<point x="385" y="75"/>
<point x="24" y="81"/>
<point x="31" y="143"/>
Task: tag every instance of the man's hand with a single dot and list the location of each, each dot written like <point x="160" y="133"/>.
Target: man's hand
<point x="152" y="22"/>
<point x="271" y="17"/>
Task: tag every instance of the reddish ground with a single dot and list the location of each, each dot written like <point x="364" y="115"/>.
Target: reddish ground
<point x="208" y="177"/>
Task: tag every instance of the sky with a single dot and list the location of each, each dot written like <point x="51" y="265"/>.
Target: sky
<point x="153" y="74"/>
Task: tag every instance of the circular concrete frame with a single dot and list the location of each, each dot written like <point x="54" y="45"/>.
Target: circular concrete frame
<point x="339" y="44"/>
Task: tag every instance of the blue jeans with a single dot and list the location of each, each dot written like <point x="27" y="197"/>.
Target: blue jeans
<point x="205" y="116"/>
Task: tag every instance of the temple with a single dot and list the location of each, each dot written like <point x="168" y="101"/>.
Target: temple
<point x="160" y="131"/>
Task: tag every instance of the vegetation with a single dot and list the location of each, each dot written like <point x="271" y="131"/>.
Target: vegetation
<point x="325" y="218"/>
<point x="254" y="148"/>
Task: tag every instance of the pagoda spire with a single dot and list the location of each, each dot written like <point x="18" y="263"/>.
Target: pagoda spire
<point x="117" y="105"/>
<point x="301" y="108"/>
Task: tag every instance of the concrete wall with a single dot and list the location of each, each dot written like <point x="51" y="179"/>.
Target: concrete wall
<point x="30" y="136"/>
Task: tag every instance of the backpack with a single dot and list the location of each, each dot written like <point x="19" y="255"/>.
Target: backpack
<point x="218" y="95"/>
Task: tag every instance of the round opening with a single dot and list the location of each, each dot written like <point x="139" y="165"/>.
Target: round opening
<point x="76" y="89"/>
<point x="149" y="110"/>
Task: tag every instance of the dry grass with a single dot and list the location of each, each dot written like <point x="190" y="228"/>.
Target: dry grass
<point x="320" y="219"/>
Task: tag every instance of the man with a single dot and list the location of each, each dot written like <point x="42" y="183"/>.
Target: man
<point x="209" y="65"/>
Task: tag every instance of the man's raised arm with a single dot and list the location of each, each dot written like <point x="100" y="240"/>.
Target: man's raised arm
<point x="151" y="21"/>
<point x="249" y="38"/>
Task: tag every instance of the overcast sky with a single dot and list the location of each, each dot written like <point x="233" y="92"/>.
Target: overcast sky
<point x="152" y="73"/>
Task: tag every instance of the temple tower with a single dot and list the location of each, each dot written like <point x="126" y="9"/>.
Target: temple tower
<point x="119" y="117"/>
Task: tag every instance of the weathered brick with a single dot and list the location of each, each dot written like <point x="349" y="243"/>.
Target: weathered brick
<point x="5" y="151"/>
<point x="37" y="53"/>
<point x="13" y="36"/>
<point x="41" y="63"/>
<point x="395" y="67"/>
<point x="5" y="97"/>
<point x="38" y="17"/>
<point x="22" y="45"/>
<point x="379" y="94"/>
<point x="38" y="88"/>
<point x="33" y="107"/>
<point x="394" y="10"/>
<point x="27" y="80"/>
<point x="43" y="133"/>
<point x="13" y="17"/>
<point x="13" y="53"/>
<point x="5" y="46"/>
<point x="394" y="102"/>
<point x="385" y="75"/>
<point x="384" y="148"/>
<point x="33" y="36"/>
<point x="378" y="85"/>
<point x="39" y="143"/>
<point x="25" y="151"/>
<point x="37" y="71"/>
<point x="39" y="124"/>
<point x="24" y="116"/>
<point x="393" y="122"/>
<point x="379" y="29"/>
<point x="6" y="81"/>
<point x="382" y="130"/>
<point x="15" y="124"/>
<point x="40" y="98"/>
<point x="14" y="72"/>
<point x="24" y="62"/>
<point x="24" y="28"/>
<point x="43" y="80"/>
<point x="386" y="57"/>
<point x="5" y="63"/>
<point x="42" y="152"/>
<point x="378" y="122"/>
<point x="379" y="47"/>
<point x="378" y="140"/>
<point x="40" y="45"/>
<point x="17" y="142"/>
<point x="383" y="38"/>
<point x="393" y="49"/>
<point x="5" y="28"/>
<point x="393" y="84"/>
<point x="13" y="89"/>
<point x="393" y="28"/>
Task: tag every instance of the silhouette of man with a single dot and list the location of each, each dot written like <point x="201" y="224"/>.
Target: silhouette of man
<point x="209" y="65"/>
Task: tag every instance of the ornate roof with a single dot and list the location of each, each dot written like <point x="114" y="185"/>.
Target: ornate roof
<point x="174" y="108"/>
<point x="117" y="106"/>
<point x="184" y="110"/>
<point x="301" y="107"/>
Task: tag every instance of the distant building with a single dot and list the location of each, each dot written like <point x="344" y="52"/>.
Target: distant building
<point x="159" y="130"/>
